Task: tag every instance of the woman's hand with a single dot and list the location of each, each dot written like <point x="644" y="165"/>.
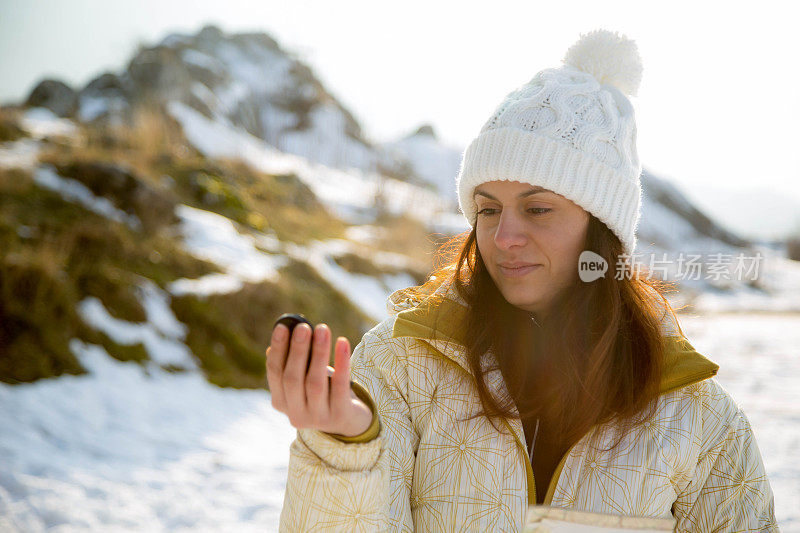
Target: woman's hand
<point x="306" y="398"/>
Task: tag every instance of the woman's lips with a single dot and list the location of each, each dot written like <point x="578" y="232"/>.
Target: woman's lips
<point x="517" y="272"/>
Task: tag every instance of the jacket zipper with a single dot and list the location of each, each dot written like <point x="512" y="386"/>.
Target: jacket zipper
<point x="551" y="486"/>
<point x="522" y="447"/>
<point x="528" y="466"/>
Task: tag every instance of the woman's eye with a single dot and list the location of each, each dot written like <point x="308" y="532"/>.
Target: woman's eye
<point x="536" y="210"/>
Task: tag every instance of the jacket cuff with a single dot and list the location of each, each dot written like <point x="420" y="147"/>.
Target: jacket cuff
<point x="344" y="456"/>
<point x="360" y="452"/>
<point x="374" y="428"/>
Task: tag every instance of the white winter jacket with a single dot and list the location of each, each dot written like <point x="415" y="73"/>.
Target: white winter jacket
<point x="696" y="468"/>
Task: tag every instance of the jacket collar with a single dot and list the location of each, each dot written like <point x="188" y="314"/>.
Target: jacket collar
<point x="436" y="322"/>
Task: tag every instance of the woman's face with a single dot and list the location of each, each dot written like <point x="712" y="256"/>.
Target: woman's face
<point x="520" y="223"/>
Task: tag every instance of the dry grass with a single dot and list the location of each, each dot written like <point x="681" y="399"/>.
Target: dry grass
<point x="10" y="130"/>
<point x="52" y="255"/>
<point x="147" y="138"/>
<point x="148" y="132"/>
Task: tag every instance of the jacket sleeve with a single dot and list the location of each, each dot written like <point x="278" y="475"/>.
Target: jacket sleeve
<point x="360" y="483"/>
<point x="729" y="490"/>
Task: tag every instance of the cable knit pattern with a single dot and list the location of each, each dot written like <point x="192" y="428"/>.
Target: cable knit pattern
<point x="567" y="132"/>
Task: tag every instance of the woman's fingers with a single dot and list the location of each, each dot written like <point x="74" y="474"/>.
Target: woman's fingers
<point x="340" y="382"/>
<point x="317" y="378"/>
<point x="310" y="393"/>
<point x="294" y="373"/>
<point x="276" y="360"/>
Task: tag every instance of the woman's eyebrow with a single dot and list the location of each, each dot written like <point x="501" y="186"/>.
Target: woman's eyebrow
<point x="535" y="190"/>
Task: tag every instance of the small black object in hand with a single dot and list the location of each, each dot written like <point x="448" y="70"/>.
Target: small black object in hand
<point x="290" y="320"/>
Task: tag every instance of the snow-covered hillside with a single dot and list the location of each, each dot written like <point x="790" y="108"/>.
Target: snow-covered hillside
<point x="253" y="256"/>
<point x="354" y="195"/>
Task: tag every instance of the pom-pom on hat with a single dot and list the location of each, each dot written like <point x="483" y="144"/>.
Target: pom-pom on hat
<point x="571" y="130"/>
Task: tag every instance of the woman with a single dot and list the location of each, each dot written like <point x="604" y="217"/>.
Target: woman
<point x="508" y="380"/>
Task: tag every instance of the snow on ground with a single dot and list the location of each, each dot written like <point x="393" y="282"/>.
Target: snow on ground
<point x="75" y="191"/>
<point x="365" y="233"/>
<point x="205" y="61"/>
<point x="206" y="285"/>
<point x="122" y="449"/>
<point x="92" y="106"/>
<point x="162" y="334"/>
<point x="327" y="140"/>
<point x="213" y="237"/>
<point x="132" y="449"/>
<point x="40" y="122"/>
<point x="366" y="292"/>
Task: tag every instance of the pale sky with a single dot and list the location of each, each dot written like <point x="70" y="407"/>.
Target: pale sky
<point x="717" y="107"/>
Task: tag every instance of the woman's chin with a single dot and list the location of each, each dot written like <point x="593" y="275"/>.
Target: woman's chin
<point x="529" y="303"/>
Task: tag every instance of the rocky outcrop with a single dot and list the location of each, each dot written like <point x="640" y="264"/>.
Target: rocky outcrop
<point x="54" y="95"/>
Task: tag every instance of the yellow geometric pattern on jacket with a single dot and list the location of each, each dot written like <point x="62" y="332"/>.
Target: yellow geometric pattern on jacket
<point x="420" y="469"/>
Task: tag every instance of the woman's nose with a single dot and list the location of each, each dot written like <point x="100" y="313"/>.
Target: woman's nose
<point x="510" y="231"/>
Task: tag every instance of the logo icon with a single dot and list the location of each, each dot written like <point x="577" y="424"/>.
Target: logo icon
<point x="591" y="266"/>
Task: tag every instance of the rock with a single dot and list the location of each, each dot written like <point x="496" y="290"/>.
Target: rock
<point x="54" y="95"/>
<point x="108" y="81"/>
<point x="426" y="129"/>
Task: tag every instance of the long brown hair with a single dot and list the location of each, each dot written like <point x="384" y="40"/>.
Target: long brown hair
<point x="597" y="356"/>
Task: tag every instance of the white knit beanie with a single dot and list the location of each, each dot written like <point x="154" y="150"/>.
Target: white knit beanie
<point x="570" y="130"/>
